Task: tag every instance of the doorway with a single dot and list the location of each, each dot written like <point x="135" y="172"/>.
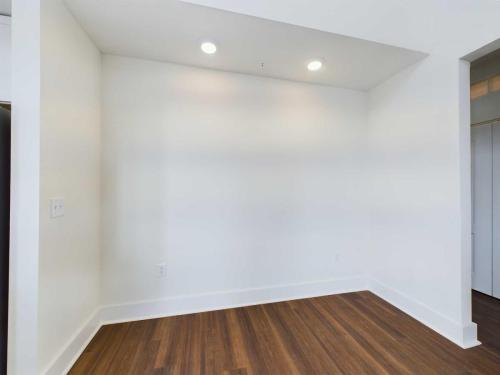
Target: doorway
<point x="485" y="161"/>
<point x="5" y="140"/>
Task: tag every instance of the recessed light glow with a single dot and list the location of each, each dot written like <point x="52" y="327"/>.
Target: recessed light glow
<point x="209" y="48"/>
<point x="314" y="66"/>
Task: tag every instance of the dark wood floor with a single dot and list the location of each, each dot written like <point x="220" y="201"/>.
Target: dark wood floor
<point x="486" y="313"/>
<point x="353" y="333"/>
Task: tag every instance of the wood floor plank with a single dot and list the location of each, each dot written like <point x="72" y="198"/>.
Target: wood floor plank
<point x="355" y="328"/>
<point x="383" y="340"/>
<point x="352" y="333"/>
<point x="238" y="348"/>
<point x="111" y="347"/>
<point x="338" y="348"/>
<point x="288" y="332"/>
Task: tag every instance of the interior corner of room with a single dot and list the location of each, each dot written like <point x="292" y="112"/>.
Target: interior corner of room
<point x="251" y="187"/>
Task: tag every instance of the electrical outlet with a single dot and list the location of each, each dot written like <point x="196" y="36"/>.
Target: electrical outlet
<point x="162" y="270"/>
<point x="56" y="208"/>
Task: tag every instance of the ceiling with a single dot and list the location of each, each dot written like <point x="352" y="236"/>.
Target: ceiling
<point x="5" y="7"/>
<point x="172" y="31"/>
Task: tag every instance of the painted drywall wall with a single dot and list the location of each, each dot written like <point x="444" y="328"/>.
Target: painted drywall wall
<point x="445" y="29"/>
<point x="420" y="126"/>
<point x="232" y="181"/>
<point x="415" y="191"/>
<point x="486" y="107"/>
<point x="5" y="59"/>
<point x="69" y="168"/>
<point x="25" y="183"/>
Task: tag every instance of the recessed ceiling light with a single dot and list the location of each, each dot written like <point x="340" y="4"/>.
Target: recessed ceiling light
<point x="314" y="65"/>
<point x="209" y="48"/>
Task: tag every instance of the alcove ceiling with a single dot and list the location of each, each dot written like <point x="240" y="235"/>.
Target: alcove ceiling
<point x="172" y="31"/>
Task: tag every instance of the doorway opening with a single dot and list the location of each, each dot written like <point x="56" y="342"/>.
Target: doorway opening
<point x="5" y="158"/>
<point x="485" y="184"/>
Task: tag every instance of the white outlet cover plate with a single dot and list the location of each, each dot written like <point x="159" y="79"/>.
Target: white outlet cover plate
<point x="162" y="270"/>
<point x="56" y="207"/>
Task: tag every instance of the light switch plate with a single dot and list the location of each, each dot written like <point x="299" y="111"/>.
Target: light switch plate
<point x="162" y="270"/>
<point x="56" y="207"/>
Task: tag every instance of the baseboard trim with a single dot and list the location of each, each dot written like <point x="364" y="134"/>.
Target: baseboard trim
<point x="75" y="346"/>
<point x="228" y="299"/>
<point x="192" y="304"/>
<point x="463" y="336"/>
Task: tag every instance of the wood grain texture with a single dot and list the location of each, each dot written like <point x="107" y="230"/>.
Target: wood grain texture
<point x="486" y="312"/>
<point x="352" y="333"/>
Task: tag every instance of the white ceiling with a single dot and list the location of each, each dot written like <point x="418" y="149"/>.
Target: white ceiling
<point x="168" y="30"/>
<point x="5" y="7"/>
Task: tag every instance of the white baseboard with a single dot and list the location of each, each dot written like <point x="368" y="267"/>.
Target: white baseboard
<point x="75" y="346"/>
<point x="191" y="304"/>
<point x="229" y="299"/>
<point x="463" y="336"/>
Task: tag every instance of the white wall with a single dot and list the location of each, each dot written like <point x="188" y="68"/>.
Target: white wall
<point x="5" y="62"/>
<point x="25" y="183"/>
<point x="233" y="181"/>
<point x="70" y="168"/>
<point x="434" y="133"/>
<point x="415" y="211"/>
<point x="419" y="140"/>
